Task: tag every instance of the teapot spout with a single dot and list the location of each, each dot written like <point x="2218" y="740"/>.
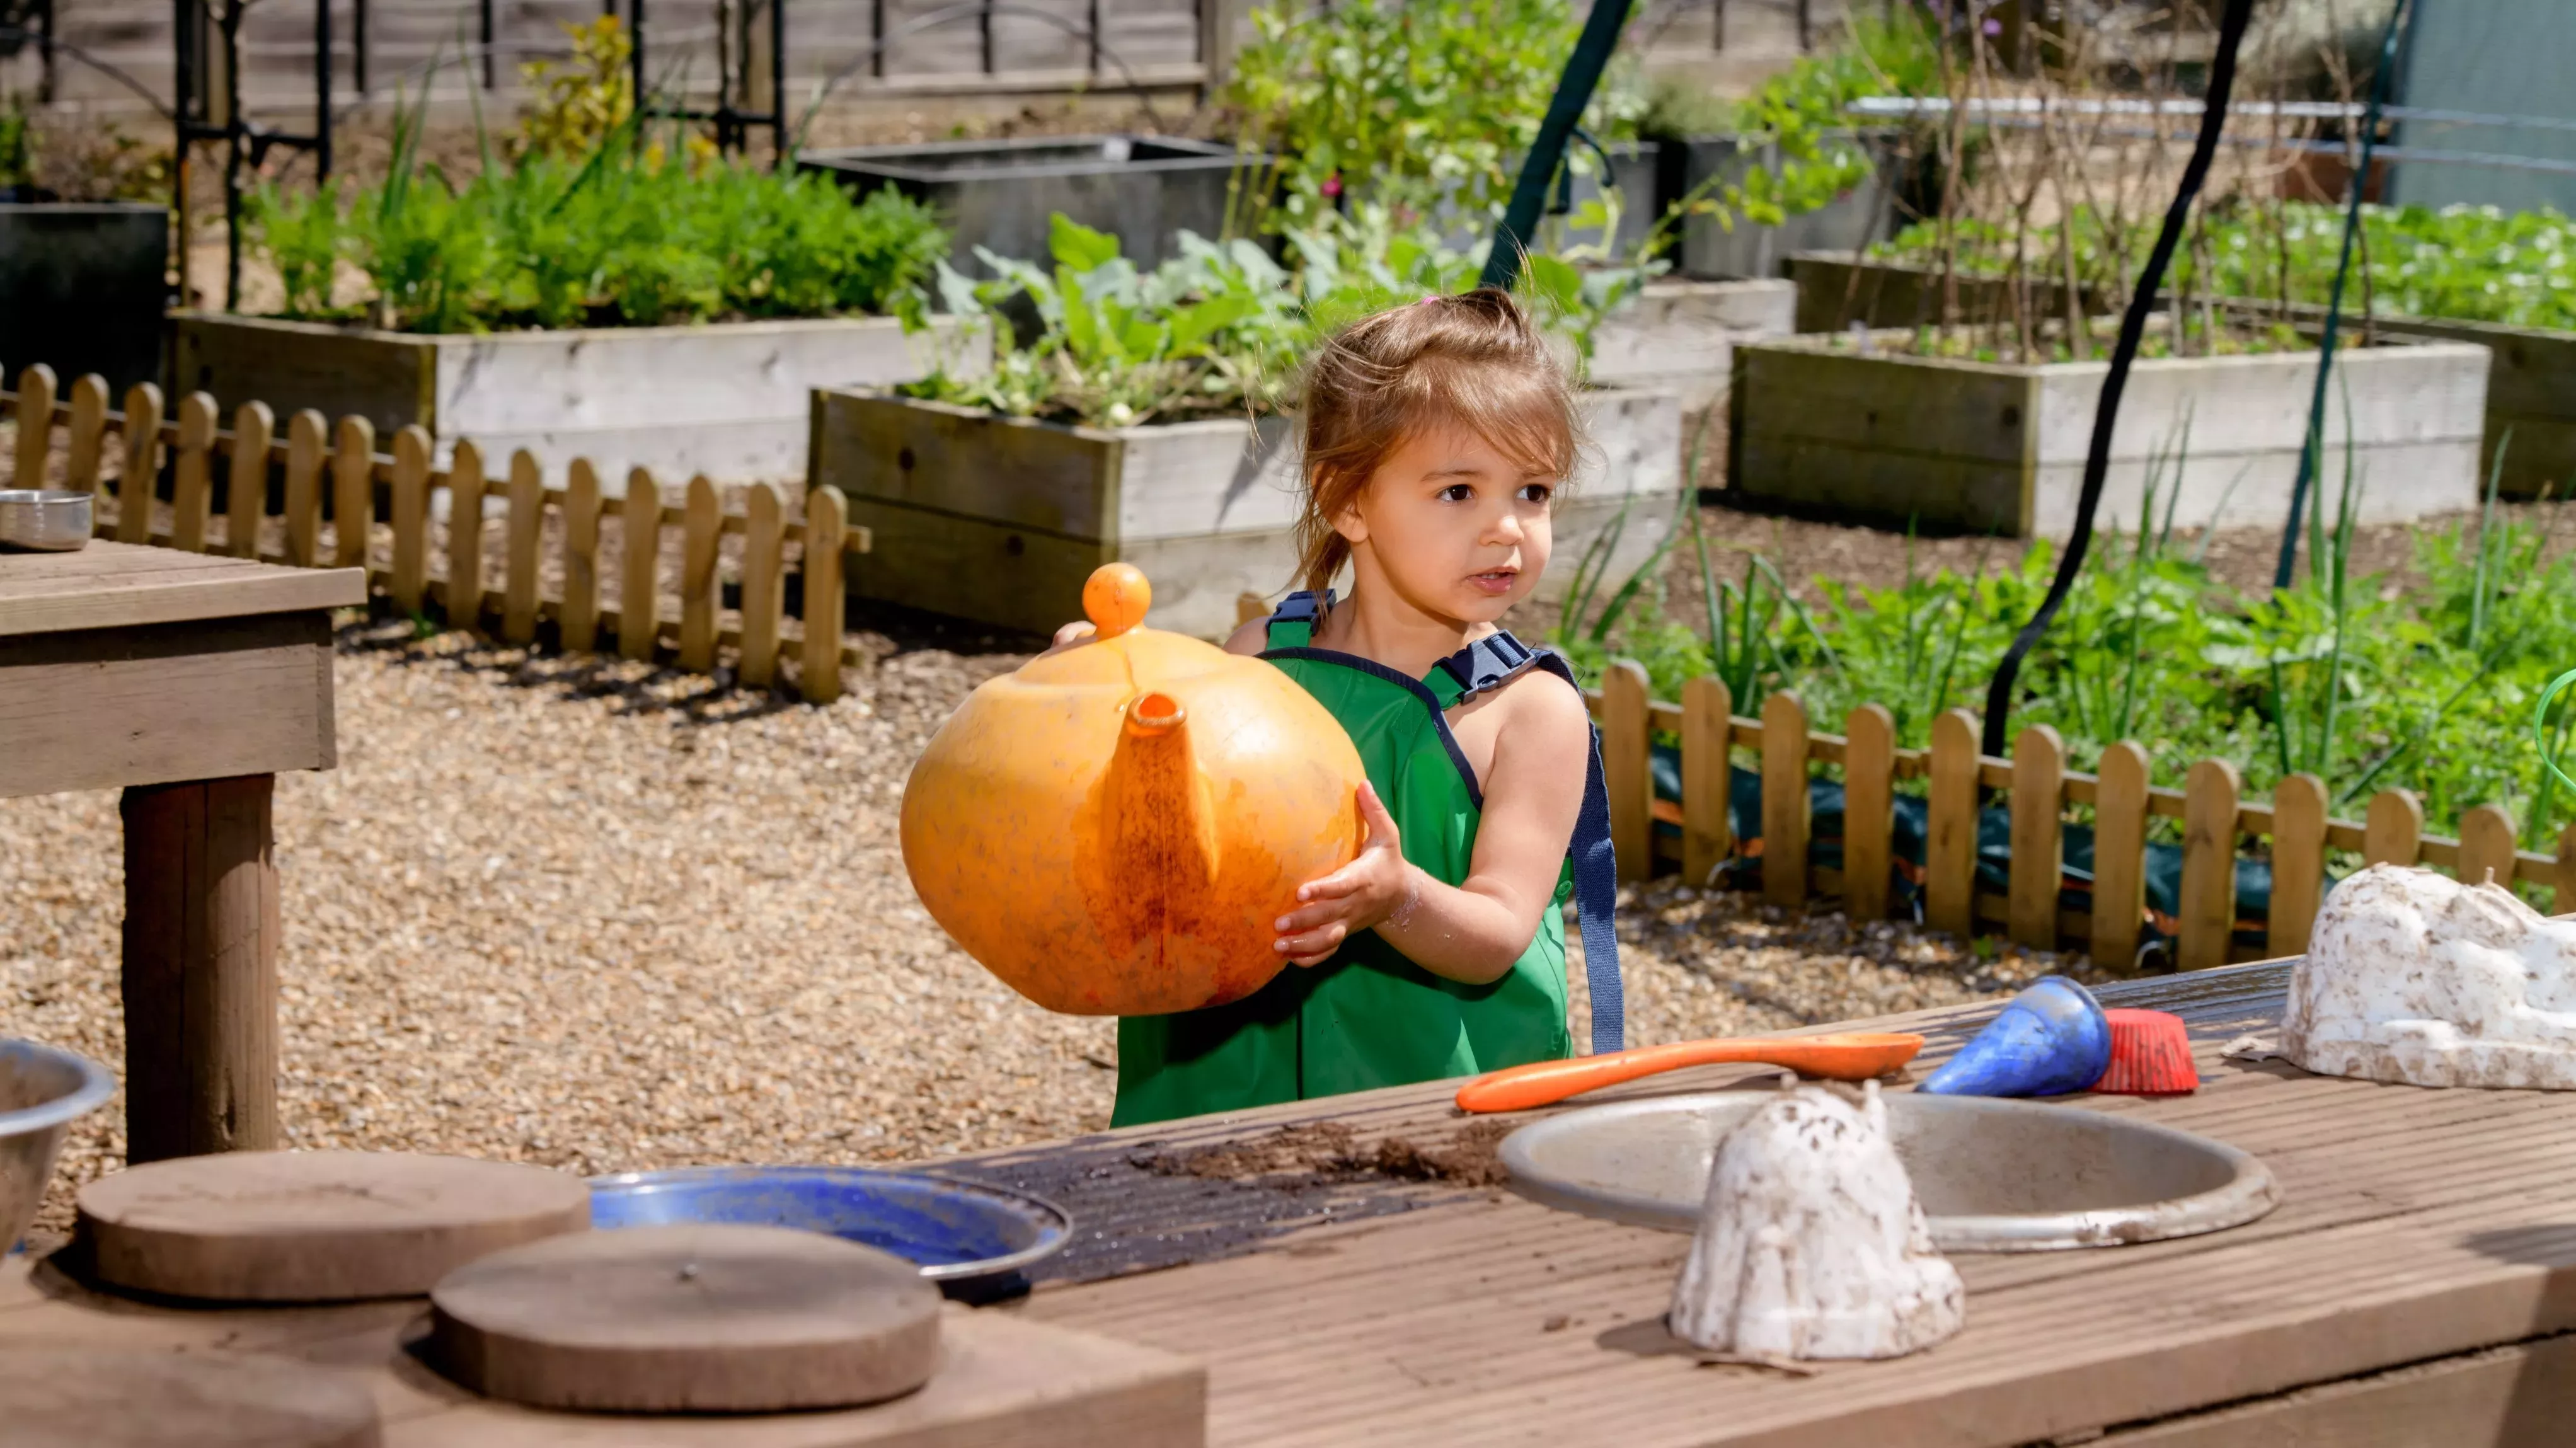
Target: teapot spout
<point x="1159" y="855"/>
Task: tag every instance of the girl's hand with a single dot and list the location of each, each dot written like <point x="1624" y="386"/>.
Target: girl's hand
<point x="1376" y="887"/>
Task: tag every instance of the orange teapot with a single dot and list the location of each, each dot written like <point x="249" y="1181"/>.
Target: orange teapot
<point x="1115" y="828"/>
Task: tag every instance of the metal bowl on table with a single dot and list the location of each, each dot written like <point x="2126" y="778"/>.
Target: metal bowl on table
<point x="46" y="520"/>
<point x="43" y="1090"/>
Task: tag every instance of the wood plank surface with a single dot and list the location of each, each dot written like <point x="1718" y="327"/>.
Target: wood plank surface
<point x="2523" y="1396"/>
<point x="116" y="585"/>
<point x="101" y="708"/>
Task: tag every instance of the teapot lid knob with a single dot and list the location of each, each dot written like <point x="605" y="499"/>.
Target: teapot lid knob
<point x="1115" y="598"/>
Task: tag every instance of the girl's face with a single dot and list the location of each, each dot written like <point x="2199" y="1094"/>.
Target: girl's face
<point x="1453" y="526"/>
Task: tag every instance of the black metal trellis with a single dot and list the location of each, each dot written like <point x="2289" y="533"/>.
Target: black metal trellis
<point x="206" y="106"/>
<point x="735" y="27"/>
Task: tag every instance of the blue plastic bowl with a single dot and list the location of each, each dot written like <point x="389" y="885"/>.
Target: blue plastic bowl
<point x="954" y="1230"/>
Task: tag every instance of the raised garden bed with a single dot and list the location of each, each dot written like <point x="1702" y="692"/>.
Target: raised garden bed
<point x="83" y="288"/>
<point x="1852" y="220"/>
<point x="1682" y="334"/>
<point x="726" y="399"/>
<point x="1000" y="519"/>
<point x="1999" y="447"/>
<point x="1000" y="194"/>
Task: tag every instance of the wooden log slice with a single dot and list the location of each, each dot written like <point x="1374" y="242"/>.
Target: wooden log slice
<point x="319" y="1226"/>
<point x="688" y="1319"/>
<point x="56" y="1399"/>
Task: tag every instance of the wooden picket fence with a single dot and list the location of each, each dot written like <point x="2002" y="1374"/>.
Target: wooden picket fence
<point x="2040" y="789"/>
<point x="316" y="457"/>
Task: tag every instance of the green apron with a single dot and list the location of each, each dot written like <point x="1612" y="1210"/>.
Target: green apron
<point x="1369" y="1017"/>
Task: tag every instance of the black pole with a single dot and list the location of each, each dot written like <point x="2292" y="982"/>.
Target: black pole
<point x="483" y="11"/>
<point x="321" y="90"/>
<point x="358" y="46"/>
<point x="233" y="128"/>
<point x="2133" y="329"/>
<point x="2312" y="446"/>
<point x="1573" y="92"/>
<point x="778" y="81"/>
<point x="635" y="52"/>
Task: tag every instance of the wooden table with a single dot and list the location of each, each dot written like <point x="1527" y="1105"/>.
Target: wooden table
<point x="2417" y="1287"/>
<point x="188" y="681"/>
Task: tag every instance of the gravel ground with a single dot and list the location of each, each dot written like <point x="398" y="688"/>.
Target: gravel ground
<point x="585" y="913"/>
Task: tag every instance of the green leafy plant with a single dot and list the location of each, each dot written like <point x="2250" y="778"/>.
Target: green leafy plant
<point x="578" y="102"/>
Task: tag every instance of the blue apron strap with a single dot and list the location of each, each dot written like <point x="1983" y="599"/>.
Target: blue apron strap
<point x="1596" y="888"/>
<point x="1292" y="625"/>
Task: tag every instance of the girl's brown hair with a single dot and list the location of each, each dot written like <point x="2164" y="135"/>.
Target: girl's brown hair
<point x="1474" y="361"/>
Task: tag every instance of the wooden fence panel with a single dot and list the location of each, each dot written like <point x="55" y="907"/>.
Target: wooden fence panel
<point x="2393" y="831"/>
<point x="465" y="489"/>
<point x="308" y="442"/>
<point x="1627" y="768"/>
<point x="699" y="595"/>
<point x="246" y="479"/>
<point x="2487" y="846"/>
<point x="520" y="584"/>
<point x="2298" y="863"/>
<point x="136" y="479"/>
<point x="409" y="582"/>
<point x="639" y="589"/>
<point x="35" y="414"/>
<point x="827" y="526"/>
<point x="2208" y="864"/>
<point x="2120" y="808"/>
<point x="1784" y="800"/>
<point x="85" y="447"/>
<point x="1950" y="851"/>
<point x="578" y="625"/>
<point x="762" y="595"/>
<point x="1708" y="738"/>
<point x="193" y="482"/>
<point x="1869" y="810"/>
<point x="353" y="492"/>
<point x="2038" y="836"/>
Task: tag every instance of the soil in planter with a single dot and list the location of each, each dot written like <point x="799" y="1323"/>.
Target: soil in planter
<point x="2224" y="338"/>
<point x="1331" y="1151"/>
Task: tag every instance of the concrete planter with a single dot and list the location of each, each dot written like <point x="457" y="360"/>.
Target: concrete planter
<point x="727" y="399"/>
<point x="1682" y="335"/>
<point x="1000" y="194"/>
<point x="1851" y="221"/>
<point x="1977" y="446"/>
<point x="83" y="289"/>
<point x="1000" y="520"/>
<point x="2531" y="388"/>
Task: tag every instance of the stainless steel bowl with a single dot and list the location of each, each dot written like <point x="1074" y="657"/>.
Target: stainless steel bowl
<point x="43" y="1090"/>
<point x="48" y="520"/>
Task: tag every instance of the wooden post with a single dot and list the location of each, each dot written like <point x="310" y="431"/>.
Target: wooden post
<point x="465" y="537"/>
<point x="194" y="480"/>
<point x="2038" y="836"/>
<point x="827" y="521"/>
<point x="308" y="440"/>
<point x="2208" y="864"/>
<point x="246" y="481"/>
<point x="2298" y="863"/>
<point x="761" y="594"/>
<point x="2562" y="895"/>
<point x="1950" y="849"/>
<point x="142" y="468"/>
<point x="1869" y="810"/>
<point x="2119" y="857"/>
<point x="1627" y="768"/>
<point x="2486" y="846"/>
<point x="519" y="557"/>
<point x="35" y="425"/>
<point x="1708" y="767"/>
<point x="353" y="492"/>
<point x="579" y="621"/>
<point x="410" y="581"/>
<point x="200" y="969"/>
<point x="639" y="592"/>
<point x="85" y="443"/>
<point x="703" y="526"/>
<point x="2393" y="832"/>
<point x="1249" y="606"/>
<point x="1784" y="801"/>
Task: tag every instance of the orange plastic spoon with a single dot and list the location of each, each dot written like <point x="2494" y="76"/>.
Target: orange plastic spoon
<point x="1855" y="1056"/>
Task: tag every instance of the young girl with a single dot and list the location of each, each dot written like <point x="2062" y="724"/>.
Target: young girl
<point x="1436" y="436"/>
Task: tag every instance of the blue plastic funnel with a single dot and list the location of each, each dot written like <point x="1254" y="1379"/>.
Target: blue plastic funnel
<point x="2051" y="1040"/>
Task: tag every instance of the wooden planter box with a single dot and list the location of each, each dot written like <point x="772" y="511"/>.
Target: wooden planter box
<point x="1682" y="335"/>
<point x="726" y="399"/>
<point x="1849" y="222"/>
<point x="83" y="289"/>
<point x="1980" y="446"/>
<point x="2531" y="386"/>
<point x="1000" y="520"/>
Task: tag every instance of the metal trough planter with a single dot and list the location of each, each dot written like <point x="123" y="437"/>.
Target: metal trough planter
<point x="83" y="289"/>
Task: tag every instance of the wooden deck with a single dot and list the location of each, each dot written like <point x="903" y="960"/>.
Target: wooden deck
<point x="2417" y="1287"/>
